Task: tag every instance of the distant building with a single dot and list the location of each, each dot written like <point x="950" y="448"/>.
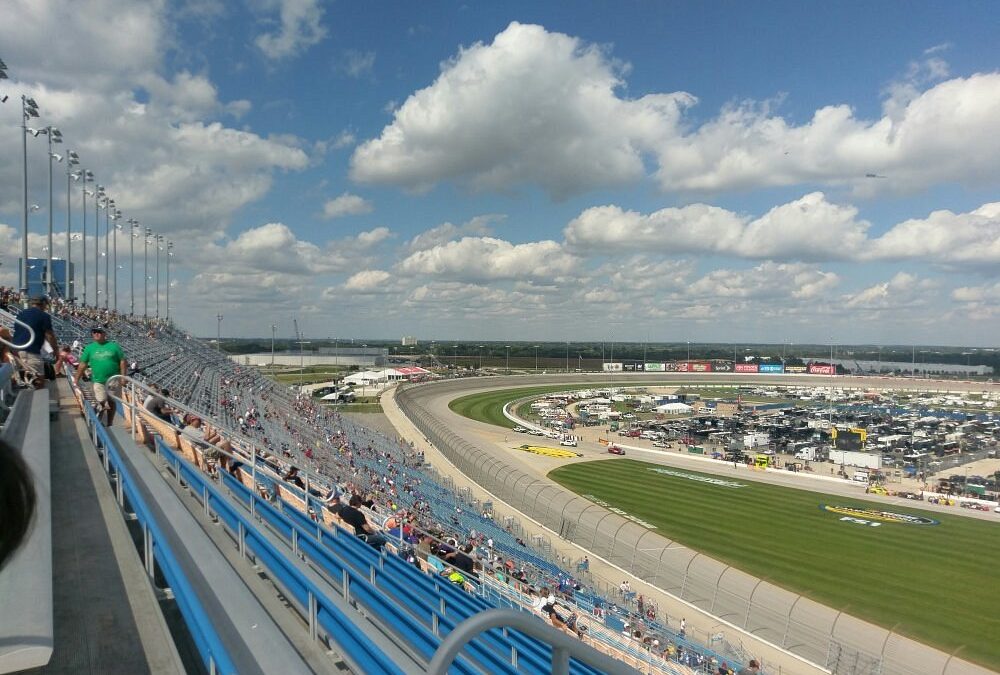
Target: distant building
<point x="37" y="277"/>
<point x="408" y="341"/>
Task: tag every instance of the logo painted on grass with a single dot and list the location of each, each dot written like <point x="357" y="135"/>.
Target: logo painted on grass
<point x="701" y="479"/>
<point x="623" y="514"/>
<point x="877" y="516"/>
<point x="548" y="452"/>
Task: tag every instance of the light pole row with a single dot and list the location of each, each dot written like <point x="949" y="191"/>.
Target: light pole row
<point x="75" y="173"/>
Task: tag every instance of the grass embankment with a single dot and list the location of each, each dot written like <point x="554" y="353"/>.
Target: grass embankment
<point x="934" y="583"/>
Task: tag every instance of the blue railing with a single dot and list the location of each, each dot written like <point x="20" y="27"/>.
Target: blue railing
<point x="352" y="642"/>
<point x="209" y="644"/>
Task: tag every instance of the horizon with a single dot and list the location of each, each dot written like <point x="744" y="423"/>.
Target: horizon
<point x="525" y="171"/>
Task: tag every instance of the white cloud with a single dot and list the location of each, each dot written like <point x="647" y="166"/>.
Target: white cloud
<point x="809" y="228"/>
<point x="347" y="205"/>
<point x="902" y="291"/>
<point x="766" y="281"/>
<point x="370" y="238"/>
<point x="948" y="132"/>
<point x="445" y="232"/>
<point x="944" y="236"/>
<point x="67" y="43"/>
<point x="532" y="107"/>
<point x="299" y="27"/>
<point x="485" y="258"/>
<point x="367" y="281"/>
<point x="358" y="64"/>
<point x="153" y="140"/>
<point x="543" y="108"/>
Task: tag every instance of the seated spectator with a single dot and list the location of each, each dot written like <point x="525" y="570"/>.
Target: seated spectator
<point x="752" y="668"/>
<point x="156" y="404"/>
<point x="351" y="515"/>
<point x="462" y="560"/>
<point x="292" y="476"/>
<point x="205" y="437"/>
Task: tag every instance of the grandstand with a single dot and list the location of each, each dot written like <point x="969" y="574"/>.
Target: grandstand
<point x="246" y="561"/>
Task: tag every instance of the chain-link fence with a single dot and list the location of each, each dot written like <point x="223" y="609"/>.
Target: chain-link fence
<point x="823" y="635"/>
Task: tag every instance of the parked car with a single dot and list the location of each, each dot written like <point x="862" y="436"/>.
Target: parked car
<point x="568" y="442"/>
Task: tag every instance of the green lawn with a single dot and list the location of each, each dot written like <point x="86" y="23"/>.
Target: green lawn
<point x="936" y="583"/>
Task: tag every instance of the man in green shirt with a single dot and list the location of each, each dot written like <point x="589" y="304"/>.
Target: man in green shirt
<point x="105" y="360"/>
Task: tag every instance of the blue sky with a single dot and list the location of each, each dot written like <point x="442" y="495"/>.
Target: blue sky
<point x="629" y="170"/>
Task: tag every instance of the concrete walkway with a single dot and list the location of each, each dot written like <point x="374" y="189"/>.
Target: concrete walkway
<point x="107" y="617"/>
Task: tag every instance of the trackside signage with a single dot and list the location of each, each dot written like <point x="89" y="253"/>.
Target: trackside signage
<point x="701" y="479"/>
<point x="623" y="514"/>
<point x="856" y="513"/>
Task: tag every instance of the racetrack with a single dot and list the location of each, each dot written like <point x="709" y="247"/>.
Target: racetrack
<point x="799" y="624"/>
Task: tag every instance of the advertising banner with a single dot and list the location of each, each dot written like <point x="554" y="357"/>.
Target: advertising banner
<point x="655" y="368"/>
<point x="722" y="366"/>
<point x="746" y="367"/>
<point x="671" y="367"/>
<point x="613" y="367"/>
<point x="629" y="366"/>
<point x="821" y="369"/>
<point x="795" y="369"/>
<point x="699" y="367"/>
<point x="682" y="367"/>
<point x="772" y="368"/>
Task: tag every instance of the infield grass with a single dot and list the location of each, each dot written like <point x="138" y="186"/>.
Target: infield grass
<point x="935" y="583"/>
<point x="488" y="406"/>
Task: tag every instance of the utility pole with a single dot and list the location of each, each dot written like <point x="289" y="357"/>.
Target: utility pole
<point x="218" y="332"/>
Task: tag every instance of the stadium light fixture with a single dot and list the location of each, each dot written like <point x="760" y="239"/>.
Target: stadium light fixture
<point x="72" y="160"/>
<point x="86" y="176"/>
<point x="133" y="233"/>
<point x="170" y="254"/>
<point x="145" y="272"/>
<point x="29" y="109"/>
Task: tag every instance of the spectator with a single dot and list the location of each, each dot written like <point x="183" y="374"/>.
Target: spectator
<point x="752" y="668"/>
<point x="461" y="559"/>
<point x="684" y="624"/>
<point x="17" y="501"/>
<point x="37" y="317"/>
<point x="351" y="515"/>
<point x="724" y="669"/>
<point x="292" y="476"/>
<point x="66" y="360"/>
<point x="105" y="360"/>
<point x="156" y="404"/>
<point x="205" y="437"/>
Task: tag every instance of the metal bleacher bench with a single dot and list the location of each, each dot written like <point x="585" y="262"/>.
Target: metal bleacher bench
<point x="248" y="635"/>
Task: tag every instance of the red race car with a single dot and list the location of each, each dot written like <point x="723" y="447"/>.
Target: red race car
<point x="615" y="450"/>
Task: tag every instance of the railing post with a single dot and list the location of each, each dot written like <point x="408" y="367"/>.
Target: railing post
<point x="149" y="563"/>
<point x="242" y="536"/>
<point x="253" y="479"/>
<point x="345" y="585"/>
<point x="313" y="610"/>
<point x="560" y="661"/>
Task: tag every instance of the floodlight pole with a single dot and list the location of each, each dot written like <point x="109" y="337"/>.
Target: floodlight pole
<point x="53" y="136"/>
<point x="24" y="230"/>
<point x="145" y="272"/>
<point x="97" y="245"/>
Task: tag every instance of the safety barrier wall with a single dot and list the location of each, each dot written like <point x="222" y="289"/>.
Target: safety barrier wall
<point x="26" y="610"/>
<point x="817" y="633"/>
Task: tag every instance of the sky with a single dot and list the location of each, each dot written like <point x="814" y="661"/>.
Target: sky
<point x="632" y="171"/>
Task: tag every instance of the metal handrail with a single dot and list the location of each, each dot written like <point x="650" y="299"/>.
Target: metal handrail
<point x="31" y="332"/>
<point x="563" y="646"/>
<point x="238" y="439"/>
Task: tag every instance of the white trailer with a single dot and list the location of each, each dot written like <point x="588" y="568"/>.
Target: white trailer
<point x="869" y="460"/>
